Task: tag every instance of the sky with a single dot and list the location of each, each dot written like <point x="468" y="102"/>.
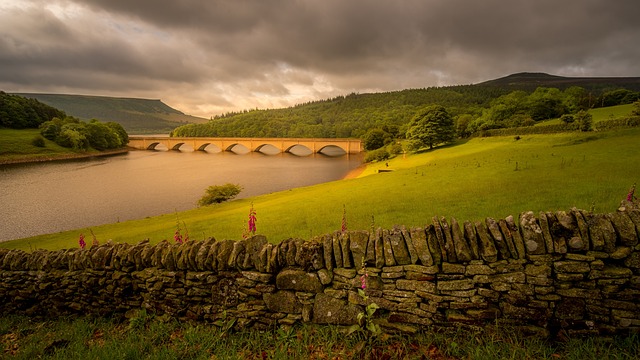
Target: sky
<point x="209" y="57"/>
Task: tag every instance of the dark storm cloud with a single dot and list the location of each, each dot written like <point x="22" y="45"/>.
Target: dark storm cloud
<point x="211" y="56"/>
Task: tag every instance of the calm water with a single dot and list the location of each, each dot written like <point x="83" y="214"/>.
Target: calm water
<point x="51" y="197"/>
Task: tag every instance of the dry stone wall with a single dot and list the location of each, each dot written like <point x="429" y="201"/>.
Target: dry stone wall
<point x="572" y="271"/>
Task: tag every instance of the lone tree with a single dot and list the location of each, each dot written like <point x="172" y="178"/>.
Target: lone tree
<point x="430" y="127"/>
<point x="219" y="193"/>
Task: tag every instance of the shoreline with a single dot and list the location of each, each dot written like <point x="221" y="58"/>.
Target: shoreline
<point x="62" y="157"/>
<point x="355" y="172"/>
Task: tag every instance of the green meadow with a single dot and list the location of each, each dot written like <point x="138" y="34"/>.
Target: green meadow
<point x="468" y="180"/>
<point x="15" y="145"/>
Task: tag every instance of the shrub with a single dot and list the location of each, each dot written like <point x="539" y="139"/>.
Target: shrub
<point x="395" y="149"/>
<point x="567" y="118"/>
<point x="38" y="141"/>
<point x="219" y="193"/>
<point x="585" y="120"/>
<point x="377" y="155"/>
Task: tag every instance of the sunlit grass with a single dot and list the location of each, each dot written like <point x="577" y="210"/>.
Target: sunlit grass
<point x="611" y="112"/>
<point x="483" y="177"/>
<point x="598" y="114"/>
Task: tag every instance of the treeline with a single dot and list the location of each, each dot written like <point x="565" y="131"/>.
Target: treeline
<point x="73" y="133"/>
<point x="343" y="116"/>
<point x="475" y="108"/>
<point x="17" y="112"/>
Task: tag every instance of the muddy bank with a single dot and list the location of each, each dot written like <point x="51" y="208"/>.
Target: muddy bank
<point x="356" y="172"/>
<point x="45" y="158"/>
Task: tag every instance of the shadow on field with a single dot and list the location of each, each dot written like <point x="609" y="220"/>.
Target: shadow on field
<point x="446" y="146"/>
<point x="582" y="140"/>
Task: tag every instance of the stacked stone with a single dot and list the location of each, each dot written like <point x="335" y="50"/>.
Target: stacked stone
<point x="572" y="270"/>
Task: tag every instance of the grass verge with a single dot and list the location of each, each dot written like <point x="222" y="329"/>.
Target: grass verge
<point x="145" y="337"/>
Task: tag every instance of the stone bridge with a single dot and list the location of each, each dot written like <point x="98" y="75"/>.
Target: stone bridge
<point x="349" y="146"/>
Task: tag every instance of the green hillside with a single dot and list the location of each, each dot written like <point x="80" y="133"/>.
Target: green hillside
<point x="512" y="101"/>
<point x="137" y="116"/>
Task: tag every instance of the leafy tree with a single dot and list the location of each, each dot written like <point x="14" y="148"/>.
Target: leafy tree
<point x="431" y="126"/>
<point x="116" y="128"/>
<point x="219" y="193"/>
<point x="100" y="136"/>
<point x="73" y="136"/>
<point x="462" y="125"/>
<point x="618" y="97"/>
<point x="376" y="138"/>
<point x="50" y="129"/>
<point x="585" y="120"/>
<point x="546" y="103"/>
<point x="575" y="99"/>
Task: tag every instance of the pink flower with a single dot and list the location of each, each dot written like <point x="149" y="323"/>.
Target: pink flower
<point x="344" y="218"/>
<point x="81" y="242"/>
<point x="630" y="195"/>
<point x="252" y="220"/>
<point x="363" y="281"/>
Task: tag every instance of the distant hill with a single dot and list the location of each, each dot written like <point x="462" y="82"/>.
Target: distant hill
<point x="137" y="116"/>
<point x="530" y="81"/>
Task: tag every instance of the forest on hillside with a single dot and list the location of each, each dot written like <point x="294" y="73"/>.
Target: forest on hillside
<point x="17" y="112"/>
<point x="474" y="108"/>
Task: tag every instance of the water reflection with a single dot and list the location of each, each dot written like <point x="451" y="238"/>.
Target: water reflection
<point x="51" y="197"/>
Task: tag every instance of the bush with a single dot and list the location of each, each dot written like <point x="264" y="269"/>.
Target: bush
<point x="38" y="141"/>
<point x="395" y="149"/>
<point x="567" y="118"/>
<point x="219" y="193"/>
<point x="377" y="155"/>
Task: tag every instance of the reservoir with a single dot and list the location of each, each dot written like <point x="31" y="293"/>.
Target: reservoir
<point x="42" y="198"/>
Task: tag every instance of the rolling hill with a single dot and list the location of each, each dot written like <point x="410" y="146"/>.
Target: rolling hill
<point x="530" y="81"/>
<point x="137" y="116"/>
<point x="343" y="116"/>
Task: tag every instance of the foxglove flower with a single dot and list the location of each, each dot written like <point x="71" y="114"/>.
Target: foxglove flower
<point x="631" y="194"/>
<point x="344" y="219"/>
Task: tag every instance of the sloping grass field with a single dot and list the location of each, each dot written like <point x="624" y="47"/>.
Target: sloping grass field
<point x="15" y="145"/>
<point x="470" y="180"/>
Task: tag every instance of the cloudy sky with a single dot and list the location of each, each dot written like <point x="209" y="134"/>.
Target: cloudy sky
<point x="207" y="57"/>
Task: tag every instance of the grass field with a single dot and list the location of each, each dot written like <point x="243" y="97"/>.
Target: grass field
<point x="15" y="146"/>
<point x="482" y="177"/>
<point x="599" y="114"/>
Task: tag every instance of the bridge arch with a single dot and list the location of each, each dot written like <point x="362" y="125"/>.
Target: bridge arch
<point x="300" y="146"/>
<point x="332" y="150"/>
<point x="238" y="146"/>
<point x="349" y="146"/>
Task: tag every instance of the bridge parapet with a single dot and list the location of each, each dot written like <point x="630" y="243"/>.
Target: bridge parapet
<point x="315" y="145"/>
